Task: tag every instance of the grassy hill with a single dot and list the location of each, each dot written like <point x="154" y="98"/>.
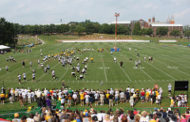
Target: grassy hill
<point x="170" y="63"/>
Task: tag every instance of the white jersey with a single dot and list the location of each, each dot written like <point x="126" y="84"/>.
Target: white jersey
<point x="169" y="87"/>
<point x="74" y="96"/>
<point x="19" y="77"/>
<point x="24" y="75"/>
<point x="96" y="95"/>
<point x="114" y="59"/>
<point x="29" y="95"/>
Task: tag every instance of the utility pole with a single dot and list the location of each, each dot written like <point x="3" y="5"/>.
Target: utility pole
<point x="116" y="15"/>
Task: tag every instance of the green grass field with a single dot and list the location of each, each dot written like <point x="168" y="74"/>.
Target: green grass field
<point x="170" y="63"/>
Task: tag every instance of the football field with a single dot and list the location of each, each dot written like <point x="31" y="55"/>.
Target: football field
<point x="170" y="63"/>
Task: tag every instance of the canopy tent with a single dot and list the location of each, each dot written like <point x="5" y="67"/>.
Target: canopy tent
<point x="3" y="47"/>
<point x="4" y="120"/>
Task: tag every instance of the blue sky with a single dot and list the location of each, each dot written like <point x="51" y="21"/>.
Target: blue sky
<point x="51" y="11"/>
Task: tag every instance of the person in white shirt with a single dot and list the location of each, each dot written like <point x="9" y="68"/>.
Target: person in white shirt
<point x="115" y="59"/>
<point x="6" y="68"/>
<point x="83" y="71"/>
<point x="24" y="76"/>
<point x="144" y="117"/>
<point x="29" y="97"/>
<point x="30" y="63"/>
<point x="32" y="96"/>
<point x="131" y="101"/>
<point x="87" y="99"/>
<point x="75" y="98"/>
<point x="24" y="96"/>
<point x="19" y="79"/>
<point x="33" y="76"/>
<point x="53" y="74"/>
<point x="96" y="96"/>
<point x="169" y="88"/>
<point x="132" y="90"/>
<point x="128" y="89"/>
<point x="122" y="97"/>
<point x="102" y="96"/>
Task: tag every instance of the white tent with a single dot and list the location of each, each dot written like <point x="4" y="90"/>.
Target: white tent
<point x="3" y="47"/>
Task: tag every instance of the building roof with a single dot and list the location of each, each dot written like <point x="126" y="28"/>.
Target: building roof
<point x="121" y="22"/>
<point x="166" y="25"/>
<point x="2" y="47"/>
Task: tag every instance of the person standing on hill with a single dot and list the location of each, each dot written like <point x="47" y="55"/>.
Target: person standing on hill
<point x="169" y="88"/>
<point x="23" y="63"/>
<point x="33" y="76"/>
<point x="30" y="63"/>
<point x="6" y="68"/>
<point x="24" y="76"/>
<point x="115" y="59"/>
<point x="121" y="63"/>
<point x="19" y="78"/>
<point x="53" y="74"/>
<point x="92" y="60"/>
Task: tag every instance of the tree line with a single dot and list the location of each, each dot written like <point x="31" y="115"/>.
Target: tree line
<point x="9" y="31"/>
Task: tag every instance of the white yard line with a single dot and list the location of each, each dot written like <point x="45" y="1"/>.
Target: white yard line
<point x="64" y="74"/>
<point x="162" y="71"/>
<point x="104" y="70"/>
<point x="147" y="74"/>
<point x="90" y="41"/>
<point x="47" y="72"/>
<point x="125" y="73"/>
<point x="122" y="70"/>
<point x="176" y="69"/>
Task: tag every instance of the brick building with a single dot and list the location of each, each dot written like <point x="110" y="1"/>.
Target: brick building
<point x="170" y="27"/>
<point x="152" y="23"/>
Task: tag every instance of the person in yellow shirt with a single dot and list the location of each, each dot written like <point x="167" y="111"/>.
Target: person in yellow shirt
<point x="157" y="93"/>
<point x="82" y="98"/>
<point x="2" y="96"/>
<point x="147" y="96"/>
<point x="92" y="60"/>
<point x="107" y="97"/>
<point x="48" y="116"/>
<point x="172" y="102"/>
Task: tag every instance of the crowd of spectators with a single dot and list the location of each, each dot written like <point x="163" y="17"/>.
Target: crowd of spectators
<point x="84" y="97"/>
<point x="119" y="115"/>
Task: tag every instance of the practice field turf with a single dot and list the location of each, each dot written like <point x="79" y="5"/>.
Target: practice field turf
<point x="170" y="63"/>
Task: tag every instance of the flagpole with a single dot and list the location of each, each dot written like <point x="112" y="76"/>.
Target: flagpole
<point x="116" y="15"/>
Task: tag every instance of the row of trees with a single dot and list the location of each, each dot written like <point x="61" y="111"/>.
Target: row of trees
<point x="89" y="27"/>
<point x="8" y="33"/>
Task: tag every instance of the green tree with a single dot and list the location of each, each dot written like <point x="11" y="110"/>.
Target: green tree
<point x="187" y="33"/>
<point x="90" y="27"/>
<point x="107" y="29"/>
<point x="137" y="29"/>
<point x="79" y="29"/>
<point x="175" y="33"/>
<point x="162" y="31"/>
<point x="7" y="33"/>
<point x="146" y="31"/>
<point x="123" y="30"/>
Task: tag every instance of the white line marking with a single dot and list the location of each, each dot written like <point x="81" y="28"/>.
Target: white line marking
<point x="162" y="71"/>
<point x="64" y="73"/>
<point x="147" y="74"/>
<point x="104" y="70"/>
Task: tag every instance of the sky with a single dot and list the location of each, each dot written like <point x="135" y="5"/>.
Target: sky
<point x="102" y="11"/>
